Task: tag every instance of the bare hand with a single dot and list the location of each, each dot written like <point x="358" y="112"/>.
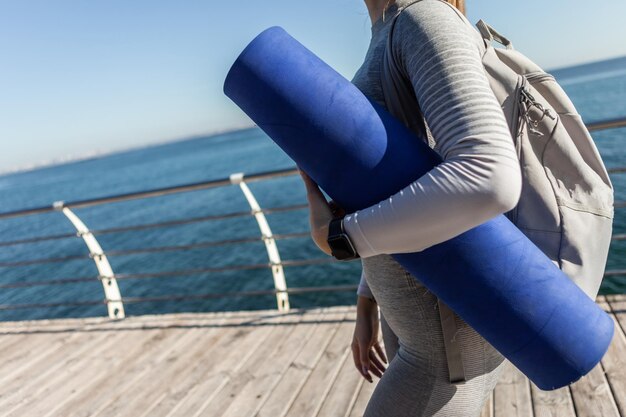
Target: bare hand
<point x="321" y="213"/>
<point x="367" y="353"/>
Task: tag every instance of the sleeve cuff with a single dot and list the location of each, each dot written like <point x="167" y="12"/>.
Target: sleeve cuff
<point x="352" y="228"/>
<point x="364" y="289"/>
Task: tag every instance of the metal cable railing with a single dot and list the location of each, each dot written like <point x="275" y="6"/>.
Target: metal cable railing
<point x="38" y="239"/>
<point x="196" y="271"/>
<point x="157" y="192"/>
<point x="173" y="273"/>
<point x="113" y="299"/>
<point x="175" y="248"/>
<point x="607" y="124"/>
<point x="146" y="226"/>
<point x="59" y="281"/>
<point x="156" y="249"/>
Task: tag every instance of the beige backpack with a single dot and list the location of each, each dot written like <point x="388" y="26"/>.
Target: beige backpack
<point x="566" y="205"/>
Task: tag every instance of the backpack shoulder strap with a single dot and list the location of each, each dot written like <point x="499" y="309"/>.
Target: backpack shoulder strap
<point x="397" y="88"/>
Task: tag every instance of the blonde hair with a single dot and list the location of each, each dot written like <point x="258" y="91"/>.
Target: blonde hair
<point x="459" y="4"/>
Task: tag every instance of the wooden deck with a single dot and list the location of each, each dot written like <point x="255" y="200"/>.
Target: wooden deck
<point x="241" y="364"/>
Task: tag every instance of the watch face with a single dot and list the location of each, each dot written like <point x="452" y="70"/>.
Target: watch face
<point x="341" y="247"/>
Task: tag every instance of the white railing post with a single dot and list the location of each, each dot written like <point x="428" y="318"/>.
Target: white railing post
<point x="112" y="294"/>
<point x="280" y="284"/>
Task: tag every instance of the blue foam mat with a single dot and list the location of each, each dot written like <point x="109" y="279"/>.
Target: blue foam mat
<point x="492" y="276"/>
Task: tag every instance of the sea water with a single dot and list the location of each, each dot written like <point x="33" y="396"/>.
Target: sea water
<point x="598" y="91"/>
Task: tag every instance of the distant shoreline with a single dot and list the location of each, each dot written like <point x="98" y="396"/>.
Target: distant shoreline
<point x="604" y="65"/>
<point x="89" y="156"/>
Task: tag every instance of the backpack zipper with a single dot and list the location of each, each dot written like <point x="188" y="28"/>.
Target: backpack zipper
<point x="516" y="131"/>
<point x="527" y="101"/>
<point x="516" y="128"/>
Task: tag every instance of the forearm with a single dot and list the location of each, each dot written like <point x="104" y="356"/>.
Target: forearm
<point x="451" y="199"/>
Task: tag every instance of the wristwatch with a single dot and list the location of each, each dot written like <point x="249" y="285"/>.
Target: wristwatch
<point x="340" y="244"/>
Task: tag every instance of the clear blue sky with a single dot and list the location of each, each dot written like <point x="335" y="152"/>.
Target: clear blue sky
<point x="80" y="76"/>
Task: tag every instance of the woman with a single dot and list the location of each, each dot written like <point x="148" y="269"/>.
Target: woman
<point x="478" y="179"/>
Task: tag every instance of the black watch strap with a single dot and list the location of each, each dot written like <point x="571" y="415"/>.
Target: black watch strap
<point x="339" y="241"/>
<point x="336" y="227"/>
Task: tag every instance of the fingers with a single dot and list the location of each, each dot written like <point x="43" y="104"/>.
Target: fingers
<point x="316" y="198"/>
<point x="356" y="357"/>
<point x="308" y="181"/>
<point x="380" y="351"/>
<point x="377" y="368"/>
<point x="365" y="361"/>
<point x="312" y="187"/>
<point x="337" y="210"/>
<point x="305" y="177"/>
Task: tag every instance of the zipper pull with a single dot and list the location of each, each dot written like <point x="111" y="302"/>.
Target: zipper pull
<point x="522" y="117"/>
<point x="527" y="101"/>
<point x="548" y="113"/>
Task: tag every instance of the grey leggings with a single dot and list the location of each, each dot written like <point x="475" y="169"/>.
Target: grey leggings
<point x="416" y="381"/>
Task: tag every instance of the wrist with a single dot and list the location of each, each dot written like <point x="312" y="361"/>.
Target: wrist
<point x="365" y="304"/>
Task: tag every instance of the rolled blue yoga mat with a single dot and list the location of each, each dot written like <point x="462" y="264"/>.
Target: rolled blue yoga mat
<point x="492" y="276"/>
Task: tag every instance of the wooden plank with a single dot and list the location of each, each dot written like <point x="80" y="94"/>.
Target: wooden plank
<point x="226" y="359"/>
<point x="294" y="378"/>
<point x="100" y="368"/>
<point x="8" y="341"/>
<point x="173" y="394"/>
<point x="267" y="375"/>
<point x="592" y="395"/>
<point x="69" y="369"/>
<point x="614" y="364"/>
<point x="364" y="390"/>
<point x="142" y="349"/>
<point x="37" y="401"/>
<point x="363" y="397"/>
<point x="560" y="402"/>
<point x="169" y="403"/>
<point x="618" y="308"/>
<point x="343" y="392"/>
<point x="102" y="323"/>
<point x="512" y="394"/>
<point x="235" y="382"/>
<point x="144" y="391"/>
<point x="49" y="325"/>
<point x="347" y="389"/>
<point x="488" y="408"/>
<point x="30" y="371"/>
<point x="316" y="388"/>
<point x="129" y="372"/>
<point x="42" y="338"/>
<point x="35" y="347"/>
<point x="557" y="403"/>
<point x="178" y="372"/>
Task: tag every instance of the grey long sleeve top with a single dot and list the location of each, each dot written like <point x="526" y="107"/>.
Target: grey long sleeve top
<point x="479" y="177"/>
